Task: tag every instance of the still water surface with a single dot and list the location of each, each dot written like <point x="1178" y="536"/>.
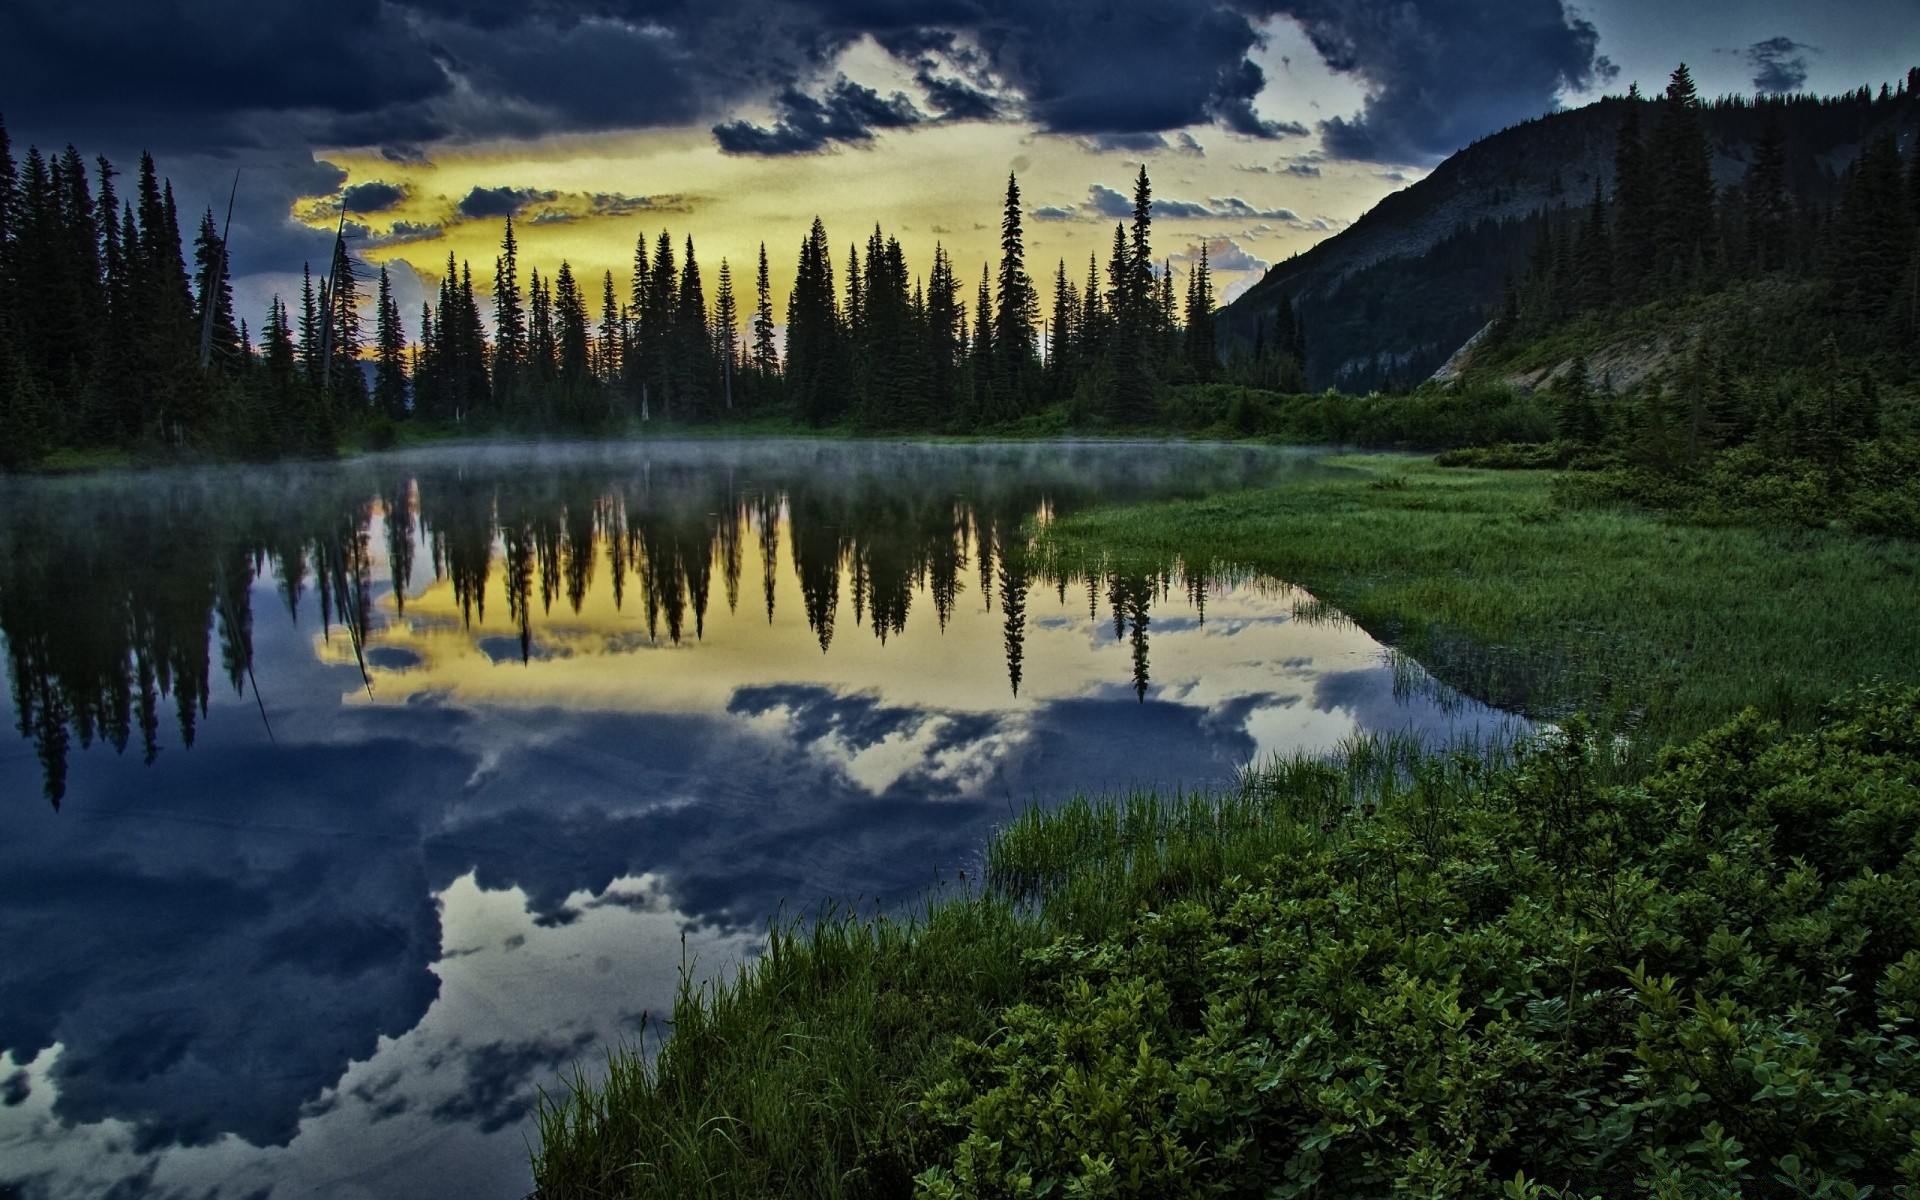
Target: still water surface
<point x="350" y="804"/>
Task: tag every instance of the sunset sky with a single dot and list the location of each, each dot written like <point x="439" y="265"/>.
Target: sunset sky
<point x="1266" y="124"/>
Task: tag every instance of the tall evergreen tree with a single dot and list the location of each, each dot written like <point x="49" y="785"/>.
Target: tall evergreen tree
<point x="219" y="331"/>
<point x="509" y="325"/>
<point x="726" y="333"/>
<point x="1633" y="198"/>
<point x="1203" y="347"/>
<point x="696" y="374"/>
<point x="1769" y="210"/>
<point x="766" y="356"/>
<point x="1018" y="308"/>
<point x="390" y="348"/>
<point x="814" y="371"/>
<point x="610" y="338"/>
<point x="570" y="336"/>
<point x="1683" y="192"/>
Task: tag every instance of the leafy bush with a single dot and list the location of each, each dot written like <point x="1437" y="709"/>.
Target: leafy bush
<point x="1704" y="984"/>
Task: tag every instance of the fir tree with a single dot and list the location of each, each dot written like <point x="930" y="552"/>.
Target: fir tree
<point x="390" y="348"/>
<point x="726" y="333"/>
<point x="1683" y="193"/>
<point x="213" y="305"/>
<point x="1018" y="306"/>
<point x="766" y="357"/>
<point x="570" y="337"/>
<point x="509" y="325"/>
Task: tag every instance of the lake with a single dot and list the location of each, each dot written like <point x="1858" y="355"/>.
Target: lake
<point x="350" y="804"/>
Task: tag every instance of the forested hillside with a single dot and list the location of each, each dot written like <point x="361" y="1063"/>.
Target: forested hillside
<point x="1387" y="301"/>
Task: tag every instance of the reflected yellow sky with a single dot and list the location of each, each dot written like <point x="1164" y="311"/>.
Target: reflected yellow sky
<point x="604" y="658"/>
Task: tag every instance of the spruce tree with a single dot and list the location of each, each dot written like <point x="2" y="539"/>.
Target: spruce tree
<point x="1683" y="192"/>
<point x="726" y="333"/>
<point x="1633" y="205"/>
<point x="219" y="333"/>
<point x="390" y="347"/>
<point x="570" y="337"/>
<point x="509" y="326"/>
<point x="611" y="336"/>
<point x="1018" y="308"/>
<point x="696" y="374"/>
<point x="766" y="356"/>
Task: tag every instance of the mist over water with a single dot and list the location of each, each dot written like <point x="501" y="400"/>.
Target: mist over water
<point x="351" y="802"/>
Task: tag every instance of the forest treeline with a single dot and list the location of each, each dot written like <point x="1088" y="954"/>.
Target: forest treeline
<point x="1791" y="328"/>
<point x="109" y="337"/>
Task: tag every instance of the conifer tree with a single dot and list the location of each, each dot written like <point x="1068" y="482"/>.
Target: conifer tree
<point x="390" y="348"/>
<point x="570" y="336"/>
<point x="1683" y="193"/>
<point x="509" y="325"/>
<point x="610" y="338"/>
<point x="1633" y="204"/>
<point x="1872" y="238"/>
<point x="945" y="321"/>
<point x="1769" y="211"/>
<point x="726" y="333"/>
<point x="218" y="328"/>
<point x="1018" y="307"/>
<point x="813" y="369"/>
<point x="766" y="357"/>
<point x="1203" y="349"/>
<point x="696" y="374"/>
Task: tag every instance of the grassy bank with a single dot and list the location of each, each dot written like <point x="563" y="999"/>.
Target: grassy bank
<point x="1384" y="975"/>
<point x="1658" y="628"/>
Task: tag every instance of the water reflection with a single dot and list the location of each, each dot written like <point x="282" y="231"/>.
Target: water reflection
<point x="488" y="735"/>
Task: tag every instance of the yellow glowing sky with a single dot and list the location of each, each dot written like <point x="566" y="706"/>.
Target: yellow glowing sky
<point x="935" y="182"/>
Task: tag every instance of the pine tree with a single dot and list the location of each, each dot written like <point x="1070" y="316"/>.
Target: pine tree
<point x="1203" y="347"/>
<point x="509" y="325"/>
<point x="342" y="324"/>
<point x="726" y="333"/>
<point x="570" y="337"/>
<point x="945" y="352"/>
<point x="1683" y="193"/>
<point x="659" y="321"/>
<point x="696" y="374"/>
<point x="1633" y="205"/>
<point x="1018" y="308"/>
<point x="1062" y="352"/>
<point x="815" y="380"/>
<point x="219" y="334"/>
<point x="766" y="357"/>
<point x="390" y="347"/>
<point x="1871" y="244"/>
<point x="611" y="337"/>
<point x="1769" y="209"/>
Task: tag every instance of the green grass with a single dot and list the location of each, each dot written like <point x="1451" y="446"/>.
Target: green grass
<point x="1656" y="628"/>
<point x="802" y="1075"/>
<point x="1386" y="974"/>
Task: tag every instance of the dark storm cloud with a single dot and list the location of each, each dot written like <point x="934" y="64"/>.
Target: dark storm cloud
<point x="803" y="124"/>
<point x="1779" y="64"/>
<point x="484" y="202"/>
<point x="1445" y="71"/>
<point x="398" y="75"/>
<point x="372" y="197"/>
<point x="956" y="100"/>
<point x="1103" y="201"/>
